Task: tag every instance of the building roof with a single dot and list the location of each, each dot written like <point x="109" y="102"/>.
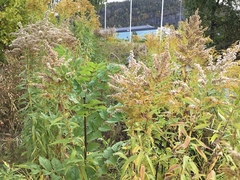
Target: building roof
<point x="135" y="28"/>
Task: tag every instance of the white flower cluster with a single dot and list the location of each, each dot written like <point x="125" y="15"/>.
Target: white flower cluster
<point x="202" y="80"/>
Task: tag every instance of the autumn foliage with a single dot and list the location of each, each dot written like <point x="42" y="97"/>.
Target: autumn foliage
<point x="181" y="110"/>
<point x="168" y="110"/>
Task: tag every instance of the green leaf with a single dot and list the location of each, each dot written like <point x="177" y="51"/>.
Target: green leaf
<point x="94" y="135"/>
<point x="104" y="128"/>
<point x="92" y="146"/>
<point x="29" y="165"/>
<point x="45" y="163"/>
<point x="103" y="76"/>
<point x="112" y="160"/>
<point x="91" y="65"/>
<point x="35" y="169"/>
<point x="236" y="125"/>
<point x="95" y="119"/>
<point x="103" y="114"/>
<point x="201" y="143"/>
<point x="85" y="72"/>
<point x="185" y="162"/>
<point x="72" y="97"/>
<point x="194" y="168"/>
<point x="83" y="79"/>
<point x="127" y="164"/>
<point x="189" y="101"/>
<point x="165" y="157"/>
<point x="103" y="169"/>
<point x="60" y="50"/>
<point x="55" y="177"/>
<point x="62" y="141"/>
<point x="113" y="68"/>
<point x="117" y="117"/>
<point x="120" y="154"/>
<point x="57" y="165"/>
<point x="56" y="121"/>
<point x="73" y="173"/>
<point x="107" y="152"/>
<point x="83" y="173"/>
<point x="94" y="103"/>
<point x="221" y="115"/>
<point x="73" y="154"/>
<point x="150" y="164"/>
<point x="213" y="138"/>
<point x="75" y="161"/>
<point x="117" y="146"/>
<point x="200" y="126"/>
<point x="139" y="159"/>
<point x="46" y="172"/>
<point x="78" y="131"/>
<point x="183" y="177"/>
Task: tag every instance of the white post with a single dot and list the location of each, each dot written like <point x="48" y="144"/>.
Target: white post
<point x="105" y="16"/>
<point x="130" y="26"/>
<point x="161" y="20"/>
<point x="180" y="16"/>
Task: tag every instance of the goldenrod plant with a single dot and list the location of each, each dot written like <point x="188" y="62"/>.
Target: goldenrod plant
<point x="181" y="111"/>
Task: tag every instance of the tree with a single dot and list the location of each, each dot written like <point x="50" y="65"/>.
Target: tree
<point x="97" y="3"/>
<point x="11" y="12"/>
<point x="36" y="8"/>
<point x="82" y="9"/>
<point x="222" y="17"/>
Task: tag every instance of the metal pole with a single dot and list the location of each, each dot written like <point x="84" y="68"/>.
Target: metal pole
<point x="180" y="16"/>
<point x="105" y="16"/>
<point x="161" y="20"/>
<point x="130" y="26"/>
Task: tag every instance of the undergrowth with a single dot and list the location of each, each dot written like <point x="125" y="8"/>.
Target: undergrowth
<point x="169" y="110"/>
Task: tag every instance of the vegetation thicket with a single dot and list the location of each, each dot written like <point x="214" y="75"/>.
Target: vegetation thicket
<point x="15" y="11"/>
<point x="181" y="112"/>
<point x="79" y="106"/>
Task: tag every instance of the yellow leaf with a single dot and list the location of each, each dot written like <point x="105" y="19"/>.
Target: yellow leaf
<point x="211" y="175"/>
<point x="172" y="168"/>
<point x="186" y="142"/>
<point x="142" y="172"/>
<point x="200" y="152"/>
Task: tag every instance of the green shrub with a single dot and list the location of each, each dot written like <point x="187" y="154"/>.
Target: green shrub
<point x="11" y="172"/>
<point x="64" y="104"/>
